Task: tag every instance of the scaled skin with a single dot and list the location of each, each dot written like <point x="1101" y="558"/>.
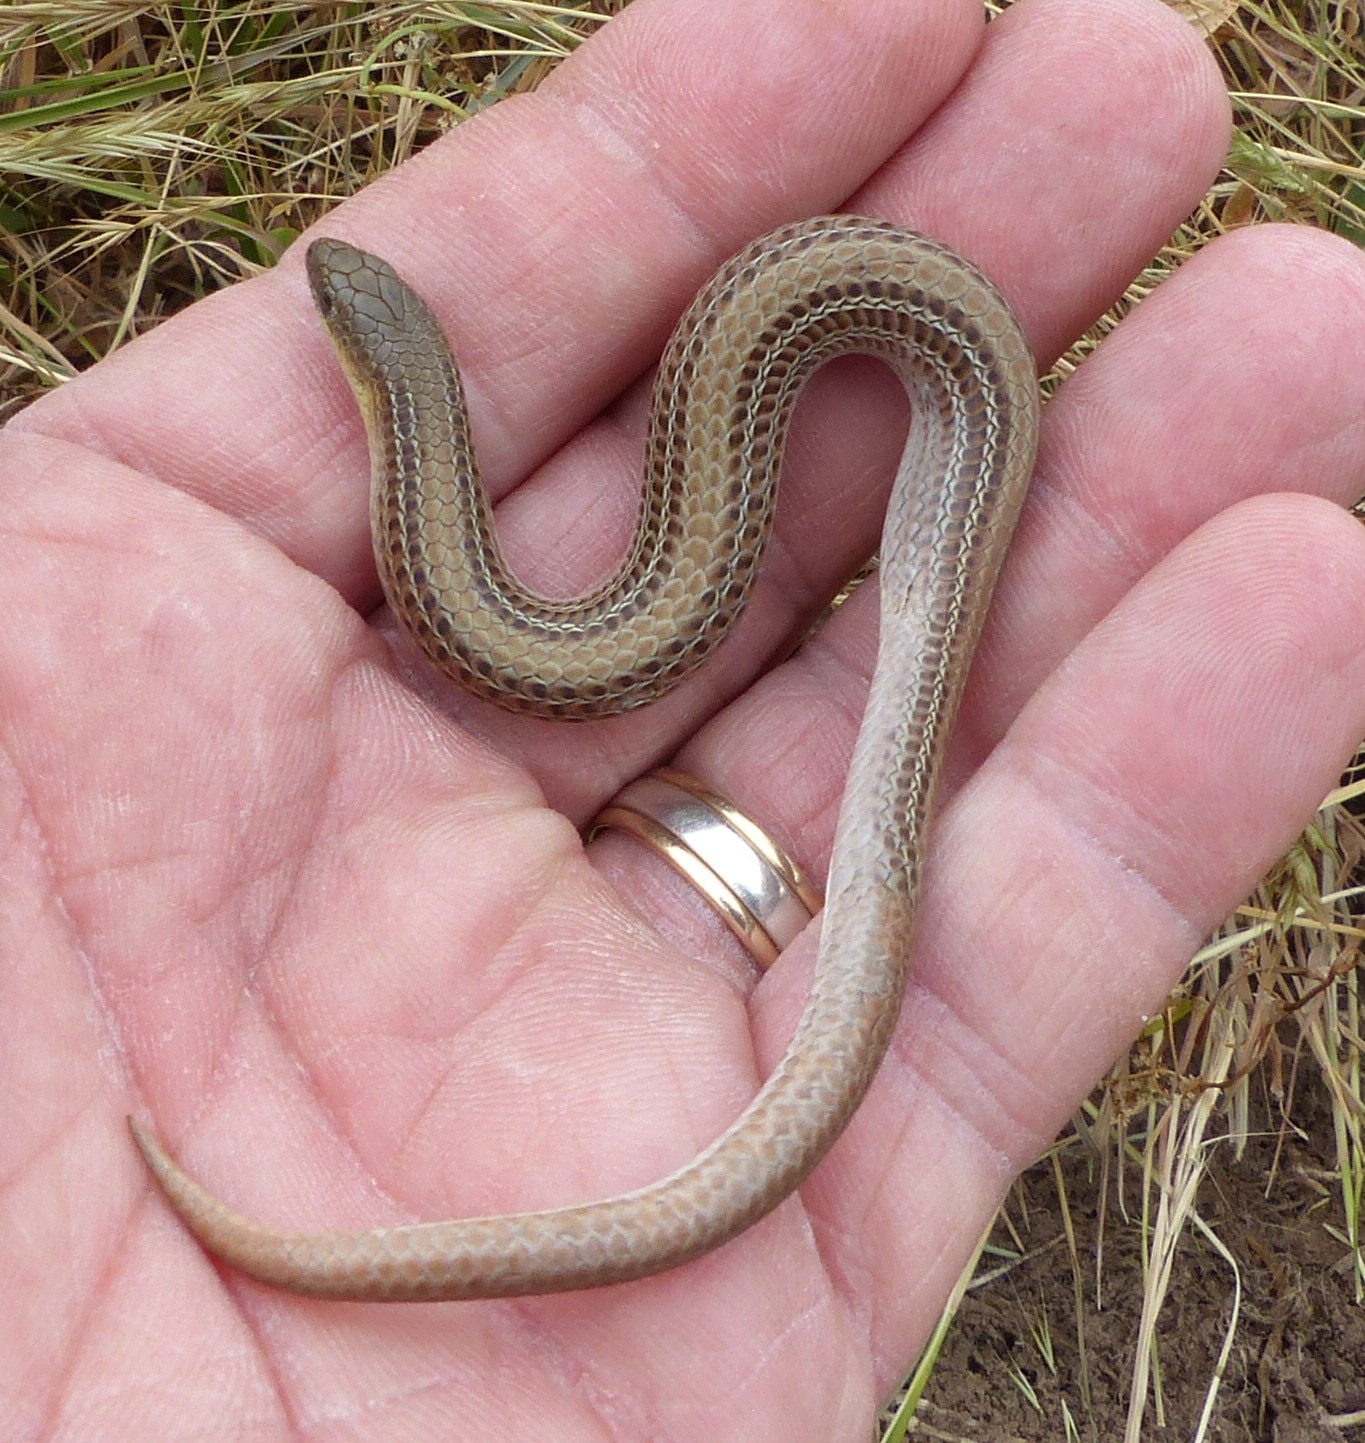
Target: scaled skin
<point x="337" y="941"/>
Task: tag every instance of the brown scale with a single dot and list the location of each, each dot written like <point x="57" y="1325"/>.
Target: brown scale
<point x="726" y="388"/>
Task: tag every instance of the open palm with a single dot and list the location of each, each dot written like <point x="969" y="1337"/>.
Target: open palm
<point x="329" y="925"/>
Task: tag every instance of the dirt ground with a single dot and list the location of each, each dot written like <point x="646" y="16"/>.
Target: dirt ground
<point x="1296" y="1371"/>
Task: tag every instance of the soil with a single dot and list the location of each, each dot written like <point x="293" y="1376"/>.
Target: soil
<point x="1296" y="1369"/>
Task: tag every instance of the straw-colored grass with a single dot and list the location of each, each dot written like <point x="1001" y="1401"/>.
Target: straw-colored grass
<point x="151" y="153"/>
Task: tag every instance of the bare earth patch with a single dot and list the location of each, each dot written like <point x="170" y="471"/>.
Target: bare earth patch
<point x="1296" y="1369"/>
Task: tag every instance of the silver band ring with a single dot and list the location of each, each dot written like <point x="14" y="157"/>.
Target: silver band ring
<point x="758" y="891"/>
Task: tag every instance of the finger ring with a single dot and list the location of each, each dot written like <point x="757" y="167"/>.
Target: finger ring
<point x="757" y="889"/>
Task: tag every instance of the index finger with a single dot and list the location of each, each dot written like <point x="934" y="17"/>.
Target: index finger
<point x="556" y="237"/>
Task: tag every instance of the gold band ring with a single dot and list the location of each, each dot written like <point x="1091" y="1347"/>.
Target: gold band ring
<point x="758" y="891"/>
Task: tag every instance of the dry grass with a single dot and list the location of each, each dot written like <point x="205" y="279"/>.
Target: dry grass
<point x="150" y="153"/>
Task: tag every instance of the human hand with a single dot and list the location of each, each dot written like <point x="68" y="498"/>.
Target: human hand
<point x="298" y="917"/>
